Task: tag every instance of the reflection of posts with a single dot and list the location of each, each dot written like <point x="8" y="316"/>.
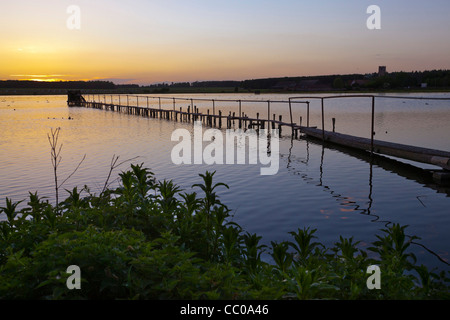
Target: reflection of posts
<point x="262" y="145"/>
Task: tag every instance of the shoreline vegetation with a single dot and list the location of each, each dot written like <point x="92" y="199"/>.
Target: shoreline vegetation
<point x="150" y="240"/>
<point x="394" y="82"/>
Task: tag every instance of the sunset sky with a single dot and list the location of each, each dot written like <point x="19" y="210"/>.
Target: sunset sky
<point x="143" y="41"/>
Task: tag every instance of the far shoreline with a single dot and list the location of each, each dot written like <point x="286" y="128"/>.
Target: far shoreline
<point x="223" y="90"/>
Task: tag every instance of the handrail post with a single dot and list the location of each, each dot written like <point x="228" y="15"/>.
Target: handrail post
<point x="323" y="122"/>
<point x="214" y="112"/>
<point x="290" y="112"/>
<point x="307" y="114"/>
<point x="373" y="125"/>
<point x="240" y="107"/>
<point x="192" y="105"/>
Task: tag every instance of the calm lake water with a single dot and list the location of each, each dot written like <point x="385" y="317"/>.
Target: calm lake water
<point x="319" y="187"/>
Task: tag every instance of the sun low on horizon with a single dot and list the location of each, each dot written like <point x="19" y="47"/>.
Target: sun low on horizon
<point x="145" y="42"/>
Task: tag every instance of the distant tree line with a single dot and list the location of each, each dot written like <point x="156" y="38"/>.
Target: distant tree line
<point x="29" y="84"/>
<point x="433" y="78"/>
<point x="270" y="83"/>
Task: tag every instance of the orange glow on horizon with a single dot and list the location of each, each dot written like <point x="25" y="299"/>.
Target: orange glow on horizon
<point x="42" y="80"/>
<point x="215" y="41"/>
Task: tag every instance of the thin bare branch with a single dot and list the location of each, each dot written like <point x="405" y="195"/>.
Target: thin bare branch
<point x="113" y="166"/>
<point x="79" y="164"/>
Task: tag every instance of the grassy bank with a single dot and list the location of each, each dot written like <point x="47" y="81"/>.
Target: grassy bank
<point x="148" y="239"/>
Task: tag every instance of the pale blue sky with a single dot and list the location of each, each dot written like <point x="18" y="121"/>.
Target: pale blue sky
<point x="189" y="40"/>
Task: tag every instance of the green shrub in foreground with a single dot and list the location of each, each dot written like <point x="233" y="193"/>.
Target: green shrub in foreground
<point x="150" y="240"/>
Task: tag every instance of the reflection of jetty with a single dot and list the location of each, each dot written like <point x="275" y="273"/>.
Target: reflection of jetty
<point x="418" y="154"/>
<point x="402" y="169"/>
<point x="216" y="118"/>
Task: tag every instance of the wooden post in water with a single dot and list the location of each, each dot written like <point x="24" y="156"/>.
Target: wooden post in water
<point x="173" y="113"/>
<point x="323" y="122"/>
<point x="214" y="112"/>
<point x="290" y="112"/>
<point x="307" y="113"/>
<point x="334" y="123"/>
<point x="279" y="125"/>
<point x="159" y="103"/>
<point x="239" y="113"/>
<point x="372" y="126"/>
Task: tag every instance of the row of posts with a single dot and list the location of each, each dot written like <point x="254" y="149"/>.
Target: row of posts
<point x="193" y="112"/>
<point x="212" y="120"/>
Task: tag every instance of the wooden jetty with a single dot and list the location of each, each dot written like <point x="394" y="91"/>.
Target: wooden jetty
<point x="418" y="154"/>
<point x="218" y="119"/>
<point x="423" y="176"/>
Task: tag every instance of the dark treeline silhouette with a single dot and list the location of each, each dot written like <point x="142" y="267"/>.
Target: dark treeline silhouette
<point x="373" y="81"/>
<point x="29" y="84"/>
<point x="433" y="78"/>
<point x="393" y="80"/>
<point x="216" y="84"/>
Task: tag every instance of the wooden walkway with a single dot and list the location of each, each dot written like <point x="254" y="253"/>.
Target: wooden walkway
<point x="418" y="154"/>
<point x="429" y="156"/>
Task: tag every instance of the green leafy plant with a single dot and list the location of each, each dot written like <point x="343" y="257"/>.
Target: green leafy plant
<point x="148" y="239"/>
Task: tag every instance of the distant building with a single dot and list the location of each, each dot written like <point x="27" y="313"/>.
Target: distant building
<point x="381" y="71"/>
